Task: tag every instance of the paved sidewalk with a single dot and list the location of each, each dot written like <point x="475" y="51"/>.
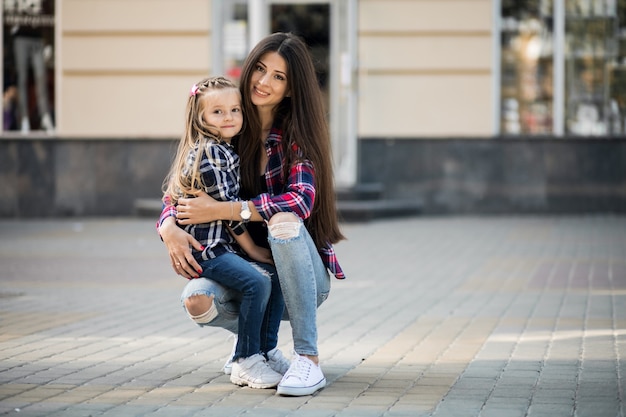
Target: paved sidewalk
<point x="459" y="316"/>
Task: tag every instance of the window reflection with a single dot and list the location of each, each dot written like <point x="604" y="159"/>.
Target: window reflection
<point x="527" y="51"/>
<point x="594" y="79"/>
<point x="28" y="78"/>
<point x="591" y="33"/>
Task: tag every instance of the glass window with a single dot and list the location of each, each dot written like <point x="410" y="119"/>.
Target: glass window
<point x="591" y="48"/>
<point x="235" y="36"/>
<point x="593" y="57"/>
<point x="28" y="54"/>
<point x="526" y="67"/>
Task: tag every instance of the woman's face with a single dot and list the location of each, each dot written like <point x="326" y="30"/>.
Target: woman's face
<point x="268" y="83"/>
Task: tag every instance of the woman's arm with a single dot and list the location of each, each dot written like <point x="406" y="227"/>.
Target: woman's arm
<point x="296" y="195"/>
<point x="205" y="209"/>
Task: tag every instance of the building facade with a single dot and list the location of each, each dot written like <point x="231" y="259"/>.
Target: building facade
<point x="462" y="105"/>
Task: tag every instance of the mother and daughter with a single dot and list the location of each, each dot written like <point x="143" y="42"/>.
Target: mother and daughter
<point x="255" y="239"/>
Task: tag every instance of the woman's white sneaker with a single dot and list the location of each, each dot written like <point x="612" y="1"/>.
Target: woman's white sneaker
<point x="277" y="361"/>
<point x="254" y="372"/>
<point x="303" y="378"/>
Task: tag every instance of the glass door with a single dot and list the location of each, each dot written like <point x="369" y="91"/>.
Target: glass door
<point x="328" y="28"/>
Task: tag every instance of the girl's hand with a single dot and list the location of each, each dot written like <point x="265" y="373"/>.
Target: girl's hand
<point x="196" y="210"/>
<point x="179" y="243"/>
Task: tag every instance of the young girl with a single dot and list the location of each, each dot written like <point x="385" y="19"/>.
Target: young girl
<point x="205" y="161"/>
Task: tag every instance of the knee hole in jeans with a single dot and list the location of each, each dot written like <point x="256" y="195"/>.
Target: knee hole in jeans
<point x="284" y="226"/>
<point x="198" y="304"/>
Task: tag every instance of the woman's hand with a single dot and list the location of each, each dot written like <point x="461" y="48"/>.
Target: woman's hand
<point x="197" y="210"/>
<point x="179" y="243"/>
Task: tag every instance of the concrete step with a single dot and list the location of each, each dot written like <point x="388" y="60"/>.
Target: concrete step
<point x="366" y="210"/>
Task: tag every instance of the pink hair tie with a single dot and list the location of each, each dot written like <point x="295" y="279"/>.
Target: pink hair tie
<point x="194" y="90"/>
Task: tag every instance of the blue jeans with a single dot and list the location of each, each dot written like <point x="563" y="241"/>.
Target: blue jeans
<point x="304" y="281"/>
<point x="248" y="293"/>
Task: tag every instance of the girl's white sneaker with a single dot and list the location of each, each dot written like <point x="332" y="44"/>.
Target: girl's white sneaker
<point x="254" y="372"/>
<point x="228" y="366"/>
<point x="277" y="361"/>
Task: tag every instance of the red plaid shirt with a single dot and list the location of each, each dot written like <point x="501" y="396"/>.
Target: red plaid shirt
<point x="296" y="195"/>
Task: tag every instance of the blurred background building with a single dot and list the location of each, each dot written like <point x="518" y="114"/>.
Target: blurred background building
<point x="445" y="106"/>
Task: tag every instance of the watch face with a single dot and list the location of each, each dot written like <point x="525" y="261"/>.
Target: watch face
<point x="245" y="211"/>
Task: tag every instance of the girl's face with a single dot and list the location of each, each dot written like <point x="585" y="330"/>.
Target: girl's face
<point x="268" y="83"/>
<point x="222" y="109"/>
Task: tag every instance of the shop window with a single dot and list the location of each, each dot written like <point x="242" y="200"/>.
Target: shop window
<point x="587" y="39"/>
<point x="526" y="67"/>
<point x="28" y="76"/>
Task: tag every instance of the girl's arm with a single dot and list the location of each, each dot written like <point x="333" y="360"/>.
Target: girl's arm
<point x="243" y="238"/>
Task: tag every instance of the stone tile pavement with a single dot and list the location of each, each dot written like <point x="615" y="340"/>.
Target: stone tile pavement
<point x="439" y="316"/>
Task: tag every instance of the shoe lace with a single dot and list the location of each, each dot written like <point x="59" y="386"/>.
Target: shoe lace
<point x="300" y="368"/>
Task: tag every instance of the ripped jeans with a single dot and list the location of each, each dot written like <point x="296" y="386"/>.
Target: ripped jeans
<point x="304" y="281"/>
<point x="257" y="307"/>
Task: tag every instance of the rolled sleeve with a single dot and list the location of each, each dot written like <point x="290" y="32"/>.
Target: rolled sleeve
<point x="298" y="197"/>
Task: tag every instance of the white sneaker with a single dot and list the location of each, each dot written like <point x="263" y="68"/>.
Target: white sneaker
<point x="277" y="361"/>
<point x="254" y="372"/>
<point x="303" y="378"/>
<point x="228" y="366"/>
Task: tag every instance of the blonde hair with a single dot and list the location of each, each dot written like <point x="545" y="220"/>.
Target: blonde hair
<point x="184" y="179"/>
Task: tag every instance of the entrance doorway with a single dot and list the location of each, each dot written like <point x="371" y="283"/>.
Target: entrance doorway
<point x="328" y="28"/>
<point x="311" y="22"/>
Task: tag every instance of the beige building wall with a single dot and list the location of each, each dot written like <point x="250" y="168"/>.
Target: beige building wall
<point x="124" y="67"/>
<point x="425" y="68"/>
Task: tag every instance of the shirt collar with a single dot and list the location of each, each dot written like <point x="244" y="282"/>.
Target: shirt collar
<point x="274" y="137"/>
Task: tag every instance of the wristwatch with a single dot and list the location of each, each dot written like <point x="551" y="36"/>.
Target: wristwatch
<point x="245" y="212"/>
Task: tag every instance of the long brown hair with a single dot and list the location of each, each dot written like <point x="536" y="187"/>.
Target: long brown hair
<point x="184" y="180"/>
<point x="302" y="120"/>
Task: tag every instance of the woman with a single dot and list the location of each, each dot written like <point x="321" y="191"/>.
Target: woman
<point x="286" y="183"/>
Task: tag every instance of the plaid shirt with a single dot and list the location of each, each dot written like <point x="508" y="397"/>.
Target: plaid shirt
<point x="296" y="196"/>
<point x="220" y="174"/>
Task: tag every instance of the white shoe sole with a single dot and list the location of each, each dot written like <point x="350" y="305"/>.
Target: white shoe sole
<point x="300" y="391"/>
<point x="258" y="385"/>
